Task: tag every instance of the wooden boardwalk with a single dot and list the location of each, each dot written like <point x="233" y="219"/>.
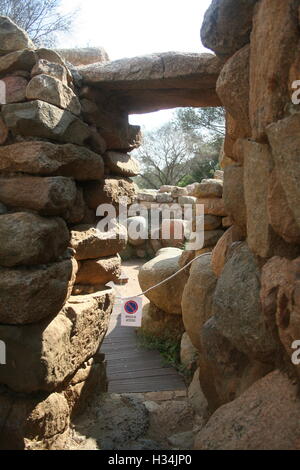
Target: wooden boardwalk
<point x="131" y="368"/>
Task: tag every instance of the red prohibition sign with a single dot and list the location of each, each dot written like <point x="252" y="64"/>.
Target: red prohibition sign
<point x="131" y="307"/>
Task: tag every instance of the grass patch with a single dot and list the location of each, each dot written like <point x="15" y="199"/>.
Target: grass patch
<point x="168" y="349"/>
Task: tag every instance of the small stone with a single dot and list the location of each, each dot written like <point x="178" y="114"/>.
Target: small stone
<point x="51" y="90"/>
<point x="121" y="164"/>
<point x="208" y="188"/>
<point x="55" y="70"/>
<point x="90" y="243"/>
<point x="15" y="89"/>
<point x="27" y="239"/>
<point x="41" y="119"/>
<point x="42" y="292"/>
<point x="46" y="159"/>
<point x="12" y="38"/>
<point x="48" y="196"/>
<point x="99" y="271"/>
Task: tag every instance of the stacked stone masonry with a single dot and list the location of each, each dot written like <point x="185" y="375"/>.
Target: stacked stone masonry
<point x="239" y="303"/>
<point x="249" y="318"/>
<point x="62" y="154"/>
<point x="65" y="147"/>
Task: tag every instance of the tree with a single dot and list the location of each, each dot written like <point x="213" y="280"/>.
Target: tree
<point x="183" y="151"/>
<point x="209" y="121"/>
<point x="164" y="156"/>
<point x="40" y="18"/>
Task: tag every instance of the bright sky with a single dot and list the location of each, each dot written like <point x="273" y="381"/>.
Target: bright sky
<point x="127" y="28"/>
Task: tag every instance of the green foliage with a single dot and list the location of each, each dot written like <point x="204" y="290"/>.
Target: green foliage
<point x="183" y="151"/>
<point x="203" y="169"/>
<point x="201" y="120"/>
<point x="169" y="350"/>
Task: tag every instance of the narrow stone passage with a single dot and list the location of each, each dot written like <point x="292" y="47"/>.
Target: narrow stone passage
<point x="131" y="368"/>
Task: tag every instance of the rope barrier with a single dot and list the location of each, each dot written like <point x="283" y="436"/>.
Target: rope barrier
<point x="164" y="280"/>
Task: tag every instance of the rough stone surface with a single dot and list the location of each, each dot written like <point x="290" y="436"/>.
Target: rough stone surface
<point x="196" y="397"/>
<point x="237" y="308"/>
<point x="233" y="195"/>
<point x="27" y="239"/>
<point x="119" y="420"/>
<point x="48" y="196"/>
<point x="197" y="298"/>
<point x="160" y="324"/>
<point x="225" y="372"/>
<point x="233" y="87"/>
<point x="52" y="69"/>
<point x="84" y="55"/>
<point x="212" y="222"/>
<point x="33" y="423"/>
<point x="280" y="302"/>
<point x="222" y="248"/>
<point x="208" y="188"/>
<point x="42" y="292"/>
<point x="212" y="237"/>
<point x="12" y="38"/>
<point x="280" y="215"/>
<point x="212" y="207"/>
<point x="122" y="164"/>
<point x="265" y="417"/>
<point x="158" y="81"/>
<point x="275" y="24"/>
<point x="168" y="296"/>
<point x="41" y="119"/>
<point x="257" y="168"/>
<point x="284" y="139"/>
<point x="3" y="132"/>
<point x="188" y="353"/>
<point x="77" y="332"/>
<point x="112" y="124"/>
<point x="50" y="89"/>
<point x="91" y="243"/>
<point x="19" y="60"/>
<point x="99" y="271"/>
<point x="227" y="26"/>
<point x="111" y="190"/>
<point x="44" y="158"/>
<point x="15" y="89"/>
<point x="168" y="418"/>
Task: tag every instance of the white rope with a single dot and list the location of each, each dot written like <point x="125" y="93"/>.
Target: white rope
<point x="168" y="278"/>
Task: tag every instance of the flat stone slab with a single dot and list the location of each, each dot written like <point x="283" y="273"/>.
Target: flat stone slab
<point x="157" y="81"/>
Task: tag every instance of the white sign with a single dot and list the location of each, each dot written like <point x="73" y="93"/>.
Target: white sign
<point x="131" y="311"/>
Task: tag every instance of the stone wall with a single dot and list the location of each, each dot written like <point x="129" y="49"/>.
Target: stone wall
<point x="61" y="155"/>
<point x="247" y="308"/>
<point x="166" y="217"/>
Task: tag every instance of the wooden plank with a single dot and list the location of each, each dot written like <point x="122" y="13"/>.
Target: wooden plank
<point x="152" y="380"/>
<point x="114" y="347"/>
<point x="144" y="374"/>
<point x="151" y="385"/>
<point x="131" y="354"/>
<point x="130" y="368"/>
<point x="116" y="369"/>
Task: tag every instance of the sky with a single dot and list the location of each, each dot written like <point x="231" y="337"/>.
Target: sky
<point x="127" y="28"/>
